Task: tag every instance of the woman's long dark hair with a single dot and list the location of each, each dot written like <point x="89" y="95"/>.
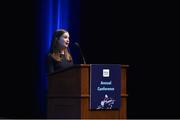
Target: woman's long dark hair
<point x="55" y="46"/>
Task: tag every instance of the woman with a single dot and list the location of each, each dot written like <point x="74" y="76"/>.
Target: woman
<point x="59" y="56"/>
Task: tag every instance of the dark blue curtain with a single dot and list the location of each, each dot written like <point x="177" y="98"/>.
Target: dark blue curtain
<point x="52" y="15"/>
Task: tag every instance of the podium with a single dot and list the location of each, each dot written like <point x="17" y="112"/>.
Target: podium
<point x="69" y="95"/>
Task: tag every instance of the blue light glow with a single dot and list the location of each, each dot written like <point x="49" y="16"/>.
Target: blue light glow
<point x="59" y="15"/>
<point x="52" y="15"/>
<point x="49" y="24"/>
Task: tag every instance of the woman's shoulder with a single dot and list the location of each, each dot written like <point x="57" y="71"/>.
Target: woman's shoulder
<point x="53" y="57"/>
<point x="50" y="58"/>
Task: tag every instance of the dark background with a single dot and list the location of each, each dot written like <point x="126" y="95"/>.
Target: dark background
<point x="140" y="34"/>
<point x="144" y="36"/>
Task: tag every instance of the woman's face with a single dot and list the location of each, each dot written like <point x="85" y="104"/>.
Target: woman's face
<point x="64" y="40"/>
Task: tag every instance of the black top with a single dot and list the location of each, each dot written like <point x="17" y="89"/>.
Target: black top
<point x="53" y="65"/>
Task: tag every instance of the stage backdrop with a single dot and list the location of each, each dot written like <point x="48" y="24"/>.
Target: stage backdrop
<point x="52" y="15"/>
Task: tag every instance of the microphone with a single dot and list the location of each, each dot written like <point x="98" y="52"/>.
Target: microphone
<point x="77" y="44"/>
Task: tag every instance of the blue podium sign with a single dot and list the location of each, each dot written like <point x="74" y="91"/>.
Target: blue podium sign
<point x="105" y="86"/>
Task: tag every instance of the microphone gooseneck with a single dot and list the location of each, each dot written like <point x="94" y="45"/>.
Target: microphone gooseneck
<point x="77" y="44"/>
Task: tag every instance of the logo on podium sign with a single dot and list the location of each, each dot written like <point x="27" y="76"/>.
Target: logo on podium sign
<point x="105" y="72"/>
<point x="105" y="83"/>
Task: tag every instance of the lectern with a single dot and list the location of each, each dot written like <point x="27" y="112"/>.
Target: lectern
<point x="69" y="95"/>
